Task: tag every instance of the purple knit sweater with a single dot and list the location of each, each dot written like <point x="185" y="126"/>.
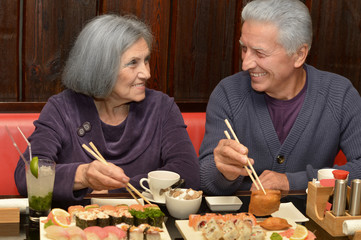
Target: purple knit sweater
<point x="152" y="137"/>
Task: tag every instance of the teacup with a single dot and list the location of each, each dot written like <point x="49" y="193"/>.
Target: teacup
<point x="157" y="181"/>
<point x="325" y="173"/>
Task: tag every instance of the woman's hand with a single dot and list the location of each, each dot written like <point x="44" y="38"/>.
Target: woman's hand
<point x="98" y="176"/>
<point x="230" y="158"/>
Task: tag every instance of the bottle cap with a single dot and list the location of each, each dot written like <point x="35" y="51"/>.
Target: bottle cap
<point x="340" y="174"/>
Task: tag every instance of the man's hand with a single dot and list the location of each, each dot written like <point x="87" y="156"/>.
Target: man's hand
<point x="273" y="180"/>
<point x="98" y="176"/>
<point x="230" y="158"/>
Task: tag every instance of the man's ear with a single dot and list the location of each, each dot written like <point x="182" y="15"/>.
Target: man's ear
<point x="301" y="55"/>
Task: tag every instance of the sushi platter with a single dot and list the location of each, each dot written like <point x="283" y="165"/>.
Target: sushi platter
<point x="188" y="232"/>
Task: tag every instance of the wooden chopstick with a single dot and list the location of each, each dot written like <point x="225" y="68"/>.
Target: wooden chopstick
<point x="247" y="169"/>
<point x="249" y="163"/>
<point x="130" y="191"/>
<point x="99" y="157"/>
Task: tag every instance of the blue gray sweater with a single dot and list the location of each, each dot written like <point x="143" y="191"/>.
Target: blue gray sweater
<point x="329" y="120"/>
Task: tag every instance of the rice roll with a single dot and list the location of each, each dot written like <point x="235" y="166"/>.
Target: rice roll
<point x="85" y="219"/>
<point x="103" y="219"/>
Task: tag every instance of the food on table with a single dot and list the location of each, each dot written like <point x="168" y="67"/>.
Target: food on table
<point x="264" y="204"/>
<point x="186" y="194"/>
<point x="95" y="232"/>
<point x="299" y="234"/>
<point x="115" y="233"/>
<point x="275" y="223"/>
<point x="228" y="226"/>
<point x="59" y="217"/>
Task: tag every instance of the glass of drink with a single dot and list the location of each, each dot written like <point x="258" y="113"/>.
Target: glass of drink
<point x="40" y="186"/>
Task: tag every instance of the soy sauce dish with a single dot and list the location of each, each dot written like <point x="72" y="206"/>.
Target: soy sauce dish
<point x="224" y="203"/>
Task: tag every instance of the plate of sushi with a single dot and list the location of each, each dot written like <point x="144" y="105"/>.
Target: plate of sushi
<point x="234" y="226"/>
<point x="120" y="222"/>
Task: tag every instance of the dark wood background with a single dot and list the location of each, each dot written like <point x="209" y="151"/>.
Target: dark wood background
<point x="196" y="44"/>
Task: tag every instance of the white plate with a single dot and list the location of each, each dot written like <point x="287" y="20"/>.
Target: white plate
<point x="224" y="203"/>
<point x="164" y="235"/>
<point x="188" y="232"/>
<point x="149" y="197"/>
<point x="288" y="210"/>
<point x="115" y="201"/>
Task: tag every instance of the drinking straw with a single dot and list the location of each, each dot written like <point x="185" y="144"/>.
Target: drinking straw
<point x="15" y="145"/>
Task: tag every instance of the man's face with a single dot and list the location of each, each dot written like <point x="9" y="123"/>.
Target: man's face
<point x="270" y="67"/>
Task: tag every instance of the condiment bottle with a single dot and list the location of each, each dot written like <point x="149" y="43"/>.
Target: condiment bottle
<point x="340" y="191"/>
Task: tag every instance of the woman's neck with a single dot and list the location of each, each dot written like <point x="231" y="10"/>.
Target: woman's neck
<point x="110" y="113"/>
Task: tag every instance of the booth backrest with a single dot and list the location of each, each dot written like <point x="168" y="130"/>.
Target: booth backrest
<point x="9" y="156"/>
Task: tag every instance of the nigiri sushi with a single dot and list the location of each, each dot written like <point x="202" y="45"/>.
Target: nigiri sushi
<point x="56" y="232"/>
<point x="95" y="233"/>
<point x="115" y="233"/>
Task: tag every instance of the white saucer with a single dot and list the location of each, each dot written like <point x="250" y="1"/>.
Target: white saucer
<point x="149" y="197"/>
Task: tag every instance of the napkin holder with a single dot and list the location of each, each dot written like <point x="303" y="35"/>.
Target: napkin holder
<point x="317" y="199"/>
<point x="9" y="215"/>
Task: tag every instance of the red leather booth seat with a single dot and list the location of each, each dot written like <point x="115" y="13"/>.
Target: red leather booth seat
<point x="9" y="156"/>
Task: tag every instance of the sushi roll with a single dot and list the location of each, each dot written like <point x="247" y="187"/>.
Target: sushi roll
<point x="244" y="229"/>
<point x="230" y="231"/>
<point x="95" y="233"/>
<point x="103" y="219"/>
<point x="127" y="217"/>
<point x="153" y="233"/>
<point x="85" y="219"/>
<point x="155" y="216"/>
<point x="115" y="233"/>
<point x="91" y="207"/>
<point x="257" y="233"/>
<point x="212" y="230"/>
<point x="135" y="233"/>
<point x="72" y="210"/>
<point x="198" y="222"/>
<point x="115" y="217"/>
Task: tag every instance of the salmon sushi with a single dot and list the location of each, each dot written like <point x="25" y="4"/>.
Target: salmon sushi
<point x="115" y="233"/>
<point x="95" y="233"/>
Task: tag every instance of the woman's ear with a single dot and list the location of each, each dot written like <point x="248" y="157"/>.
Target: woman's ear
<point x="301" y="55"/>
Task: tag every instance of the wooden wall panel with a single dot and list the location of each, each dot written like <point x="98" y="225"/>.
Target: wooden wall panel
<point x="337" y="38"/>
<point x="202" y="47"/>
<point x="9" y="45"/>
<point x="156" y="14"/>
<point x="50" y="28"/>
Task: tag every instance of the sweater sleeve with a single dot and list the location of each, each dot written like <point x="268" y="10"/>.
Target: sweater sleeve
<point x="218" y="108"/>
<point x="47" y="141"/>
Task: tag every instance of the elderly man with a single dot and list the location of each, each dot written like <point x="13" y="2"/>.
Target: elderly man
<point x="291" y="119"/>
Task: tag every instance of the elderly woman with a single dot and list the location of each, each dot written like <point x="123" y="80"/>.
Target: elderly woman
<point x="136" y="129"/>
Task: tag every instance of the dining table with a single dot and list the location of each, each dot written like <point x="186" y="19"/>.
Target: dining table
<point x="26" y="229"/>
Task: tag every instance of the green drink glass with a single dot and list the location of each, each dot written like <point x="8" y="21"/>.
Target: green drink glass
<point x="40" y="188"/>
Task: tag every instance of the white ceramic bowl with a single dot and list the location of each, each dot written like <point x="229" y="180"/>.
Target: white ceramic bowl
<point x="226" y="203"/>
<point x="180" y="208"/>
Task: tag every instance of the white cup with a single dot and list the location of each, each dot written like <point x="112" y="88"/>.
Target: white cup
<point x="325" y="173"/>
<point x="158" y="180"/>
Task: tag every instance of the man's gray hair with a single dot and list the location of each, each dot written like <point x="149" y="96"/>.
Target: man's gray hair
<point x="291" y="17"/>
<point x="94" y="61"/>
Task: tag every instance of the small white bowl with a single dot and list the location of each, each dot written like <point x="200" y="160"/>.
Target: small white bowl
<point x="180" y="208"/>
<point x="226" y="203"/>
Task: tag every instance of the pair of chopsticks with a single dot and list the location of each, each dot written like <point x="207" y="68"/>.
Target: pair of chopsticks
<point x="249" y="163"/>
<point x="99" y="157"/>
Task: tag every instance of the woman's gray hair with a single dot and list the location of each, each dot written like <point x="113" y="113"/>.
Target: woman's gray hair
<point x="93" y="64"/>
<point x="291" y="17"/>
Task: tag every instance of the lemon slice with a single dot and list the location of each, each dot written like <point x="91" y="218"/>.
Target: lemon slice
<point x="60" y="217"/>
<point x="34" y="166"/>
<point x="300" y="233"/>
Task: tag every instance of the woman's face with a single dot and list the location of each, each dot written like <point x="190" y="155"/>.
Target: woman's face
<point x="134" y="72"/>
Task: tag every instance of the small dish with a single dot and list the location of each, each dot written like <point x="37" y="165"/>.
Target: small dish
<point x="288" y="210"/>
<point x="149" y="197"/>
<point x="225" y="203"/>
